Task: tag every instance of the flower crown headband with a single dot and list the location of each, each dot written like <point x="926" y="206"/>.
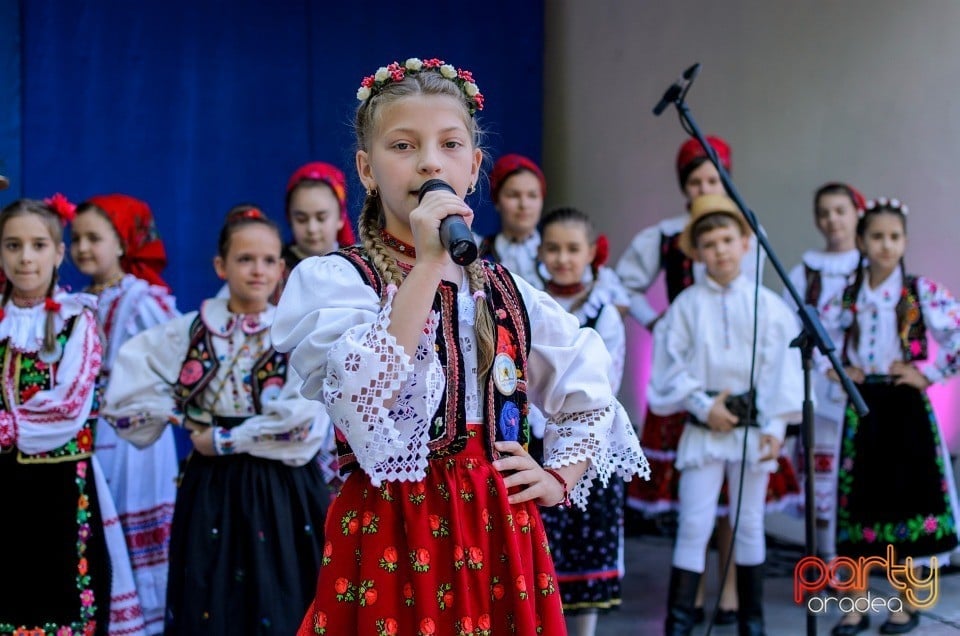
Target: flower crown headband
<point x="372" y="85"/>
<point x="884" y="202"/>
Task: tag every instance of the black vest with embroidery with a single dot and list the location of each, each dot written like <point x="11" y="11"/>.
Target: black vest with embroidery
<point x="505" y="416"/>
<point x="911" y="328"/>
<point x="677" y="267"/>
<point x="201" y="364"/>
<point x="814" y="284"/>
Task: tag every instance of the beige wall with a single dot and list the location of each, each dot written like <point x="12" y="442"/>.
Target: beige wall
<point x="857" y="90"/>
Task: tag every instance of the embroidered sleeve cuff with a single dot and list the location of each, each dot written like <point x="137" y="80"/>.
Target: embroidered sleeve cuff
<point x="223" y="441"/>
<point x="8" y="430"/>
<point x="699" y="404"/>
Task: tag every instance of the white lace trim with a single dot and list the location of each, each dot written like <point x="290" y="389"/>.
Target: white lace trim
<point x="25" y="327"/>
<point x="605" y="437"/>
<point x="367" y="370"/>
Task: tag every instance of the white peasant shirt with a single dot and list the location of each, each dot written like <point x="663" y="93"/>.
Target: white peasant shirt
<point x="336" y="328"/>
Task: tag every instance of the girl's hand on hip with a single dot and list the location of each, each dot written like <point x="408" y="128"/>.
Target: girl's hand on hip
<point x="907" y="373"/>
<point x="534" y="482"/>
<point x="203" y="441"/>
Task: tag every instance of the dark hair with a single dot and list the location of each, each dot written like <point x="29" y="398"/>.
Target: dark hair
<point x="87" y="206"/>
<point x="690" y="168"/>
<point x="50" y="218"/>
<point x="833" y="188"/>
<point x="712" y="221"/>
<point x="569" y="215"/>
<point x="873" y="210"/>
<point x="241" y="216"/>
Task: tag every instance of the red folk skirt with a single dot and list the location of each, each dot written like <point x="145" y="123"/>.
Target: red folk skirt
<point x="447" y="555"/>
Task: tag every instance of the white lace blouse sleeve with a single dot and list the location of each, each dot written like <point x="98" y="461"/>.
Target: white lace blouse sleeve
<point x="567" y="380"/>
<point x="941" y="313"/>
<point x="637" y="269"/>
<point x="672" y="387"/>
<point x="286" y="430"/>
<point x="139" y="399"/>
<point x="379" y="396"/>
<point x="51" y="417"/>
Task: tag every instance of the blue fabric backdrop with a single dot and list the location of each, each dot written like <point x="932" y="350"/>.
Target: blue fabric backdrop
<point x="197" y="106"/>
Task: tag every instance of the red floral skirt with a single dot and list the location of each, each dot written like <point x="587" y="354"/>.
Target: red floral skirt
<point x="447" y="555"/>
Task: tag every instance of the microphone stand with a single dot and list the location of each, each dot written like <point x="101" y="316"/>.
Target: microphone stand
<point x="812" y="333"/>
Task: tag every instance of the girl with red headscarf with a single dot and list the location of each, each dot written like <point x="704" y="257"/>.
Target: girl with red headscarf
<point x="114" y="241"/>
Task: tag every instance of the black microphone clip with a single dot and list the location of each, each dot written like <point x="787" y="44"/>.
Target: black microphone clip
<point x="678" y="89"/>
<point x="455" y="236"/>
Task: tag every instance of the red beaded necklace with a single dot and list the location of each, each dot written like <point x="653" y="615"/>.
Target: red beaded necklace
<point x="394" y="243"/>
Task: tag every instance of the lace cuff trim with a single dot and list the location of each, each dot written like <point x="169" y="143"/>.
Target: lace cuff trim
<point x="606" y="438"/>
<point x="367" y="371"/>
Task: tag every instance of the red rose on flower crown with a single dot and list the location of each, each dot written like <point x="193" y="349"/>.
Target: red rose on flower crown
<point x="395" y="72"/>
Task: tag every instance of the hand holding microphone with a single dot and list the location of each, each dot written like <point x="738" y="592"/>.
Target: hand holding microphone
<point x="455" y="235"/>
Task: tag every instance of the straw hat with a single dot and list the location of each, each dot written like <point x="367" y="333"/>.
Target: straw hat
<point x="705" y="205"/>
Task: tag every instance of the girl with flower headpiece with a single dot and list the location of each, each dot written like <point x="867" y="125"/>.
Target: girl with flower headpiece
<point x="895" y="486"/>
<point x="114" y="240"/>
<point x="586" y="546"/>
<point x="247" y="527"/>
<point x="821" y="275"/>
<point x="426" y="368"/>
<point x="65" y="569"/>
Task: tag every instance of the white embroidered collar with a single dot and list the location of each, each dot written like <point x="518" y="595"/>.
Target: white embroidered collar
<point x="24" y="327"/>
<point x="221" y="321"/>
<point x="832" y="263"/>
<point x="884" y="295"/>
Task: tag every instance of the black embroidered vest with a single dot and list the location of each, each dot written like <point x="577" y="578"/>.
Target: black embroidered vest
<point x="269" y="372"/>
<point x="677" y="267"/>
<point x="505" y="416"/>
<point x="911" y="328"/>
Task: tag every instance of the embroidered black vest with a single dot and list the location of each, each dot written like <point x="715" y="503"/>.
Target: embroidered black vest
<point x="912" y="328"/>
<point x="677" y="267"/>
<point x="201" y="364"/>
<point x="505" y="416"/>
<point x="35" y="375"/>
<point x="814" y="285"/>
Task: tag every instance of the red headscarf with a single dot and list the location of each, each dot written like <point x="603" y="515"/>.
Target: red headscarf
<point x="508" y="165"/>
<point x="691" y="150"/>
<point x="143" y="252"/>
<point x="332" y="177"/>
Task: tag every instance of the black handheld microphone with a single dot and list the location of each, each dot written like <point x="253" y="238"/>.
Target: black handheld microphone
<point x="454" y="233"/>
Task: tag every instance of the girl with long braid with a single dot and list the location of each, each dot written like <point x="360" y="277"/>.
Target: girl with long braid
<point x="426" y="368"/>
<point x="895" y="486"/>
<point x="65" y="565"/>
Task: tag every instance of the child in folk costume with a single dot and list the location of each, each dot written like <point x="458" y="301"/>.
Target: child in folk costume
<point x="517" y="188"/>
<point x="895" y="485"/>
<point x="653" y="250"/>
<point x="822" y="275"/>
<point x="65" y="565"/>
<point x="247" y="528"/>
<point x="425" y="368"/>
<point x="702" y="365"/>
<point x="316" y="208"/>
<point x="114" y="240"/>
<point x="586" y="546"/>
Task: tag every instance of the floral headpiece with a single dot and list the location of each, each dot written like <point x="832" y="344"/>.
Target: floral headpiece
<point x="373" y="84"/>
<point x="64" y="209"/>
<point x="890" y="204"/>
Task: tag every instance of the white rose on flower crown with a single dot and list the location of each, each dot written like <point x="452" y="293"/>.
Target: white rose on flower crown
<point x="448" y="71"/>
<point x="414" y="64"/>
<point x="363" y="93"/>
<point x="470" y="89"/>
<point x="381" y="74"/>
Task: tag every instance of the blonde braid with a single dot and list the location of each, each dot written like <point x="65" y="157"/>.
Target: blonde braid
<point x="370" y="225"/>
<point x="483" y="318"/>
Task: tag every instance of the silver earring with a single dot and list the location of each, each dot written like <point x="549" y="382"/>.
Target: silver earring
<point x="472" y="188"/>
<point x="372" y="192"/>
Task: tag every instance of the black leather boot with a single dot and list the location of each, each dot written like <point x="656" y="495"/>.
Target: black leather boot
<point x="681" y="597"/>
<point x="750" y="593"/>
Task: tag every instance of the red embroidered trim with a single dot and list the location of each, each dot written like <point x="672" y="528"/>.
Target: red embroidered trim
<point x="565" y="290"/>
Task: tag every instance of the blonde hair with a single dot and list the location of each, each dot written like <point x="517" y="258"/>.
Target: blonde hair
<point x="24" y="207"/>
<point x="372" y="218"/>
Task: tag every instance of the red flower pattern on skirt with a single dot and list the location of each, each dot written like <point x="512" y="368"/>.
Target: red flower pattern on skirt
<point x="446" y="555"/>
